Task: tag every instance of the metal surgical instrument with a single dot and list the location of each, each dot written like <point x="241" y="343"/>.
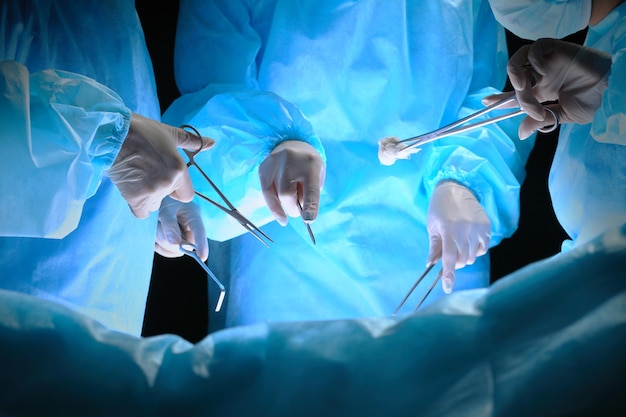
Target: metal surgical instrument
<point x="456" y="127"/>
<point x="308" y="226"/>
<point x="417" y="282"/>
<point x="230" y="210"/>
<point x="190" y="250"/>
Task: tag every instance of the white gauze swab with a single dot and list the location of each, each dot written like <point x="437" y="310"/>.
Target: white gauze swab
<point x="390" y="149"/>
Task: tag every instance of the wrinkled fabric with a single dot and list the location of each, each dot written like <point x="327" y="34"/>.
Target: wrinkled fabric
<point x="72" y="74"/>
<point x="534" y="19"/>
<point x="346" y="73"/>
<point x="593" y="156"/>
<point x="547" y="340"/>
<point x="59" y="164"/>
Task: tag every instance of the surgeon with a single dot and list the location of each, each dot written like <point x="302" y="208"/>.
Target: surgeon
<point x="270" y="82"/>
<point x="589" y="83"/>
<point x="86" y="164"/>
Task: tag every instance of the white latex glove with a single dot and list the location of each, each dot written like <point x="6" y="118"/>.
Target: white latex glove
<point x="293" y="168"/>
<point x="178" y="221"/>
<point x="150" y="167"/>
<point x="551" y="70"/>
<point x="458" y="227"/>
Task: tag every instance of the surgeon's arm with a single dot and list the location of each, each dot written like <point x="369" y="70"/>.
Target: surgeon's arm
<point x="222" y="99"/>
<point x="60" y="132"/>
<point x="609" y="121"/>
<point x="472" y="180"/>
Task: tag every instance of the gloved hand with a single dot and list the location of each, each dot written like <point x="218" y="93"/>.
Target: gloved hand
<point x="149" y="167"/>
<point x="550" y="70"/>
<point x="294" y="168"/>
<point x="458" y="227"/>
<point x="178" y="221"/>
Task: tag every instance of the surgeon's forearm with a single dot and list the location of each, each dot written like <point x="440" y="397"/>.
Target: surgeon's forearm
<point x="60" y="132"/>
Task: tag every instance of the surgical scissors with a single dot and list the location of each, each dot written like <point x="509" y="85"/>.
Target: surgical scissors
<point x="417" y="282"/>
<point x="457" y="127"/>
<point x="190" y="249"/>
<point x="230" y="210"/>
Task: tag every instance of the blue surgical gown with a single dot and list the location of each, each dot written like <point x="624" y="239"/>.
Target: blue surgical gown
<point x="587" y="179"/>
<point x="593" y="156"/>
<point x="347" y="74"/>
<point x="72" y="72"/>
<point x="547" y="340"/>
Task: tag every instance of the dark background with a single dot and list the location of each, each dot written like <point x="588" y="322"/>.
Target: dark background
<point x="177" y="301"/>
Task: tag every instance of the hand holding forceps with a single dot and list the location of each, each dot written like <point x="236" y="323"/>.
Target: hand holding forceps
<point x="229" y="208"/>
<point x="456" y="128"/>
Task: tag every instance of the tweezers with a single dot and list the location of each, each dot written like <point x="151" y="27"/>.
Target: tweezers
<point x="230" y="210"/>
<point x="456" y="127"/>
<point x="417" y="282"/>
<point x="190" y="250"/>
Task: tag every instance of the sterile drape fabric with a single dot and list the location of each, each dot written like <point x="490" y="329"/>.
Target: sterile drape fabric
<point x="547" y="340"/>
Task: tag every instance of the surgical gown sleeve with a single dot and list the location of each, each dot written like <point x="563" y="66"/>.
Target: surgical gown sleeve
<point x="221" y="98"/>
<point x="489" y="161"/>
<point x="546" y="340"/>
<point x="60" y="133"/>
<point x="609" y="123"/>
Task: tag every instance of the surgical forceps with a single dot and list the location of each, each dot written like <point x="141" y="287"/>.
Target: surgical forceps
<point x="456" y="127"/>
<point x="421" y="277"/>
<point x="190" y="249"/>
<point x="230" y="210"/>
